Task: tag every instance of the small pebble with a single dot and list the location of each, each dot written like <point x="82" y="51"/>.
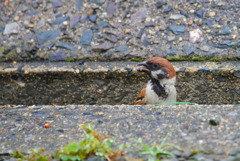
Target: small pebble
<point x="160" y="4"/>
<point x="190" y="23"/>
<point x="103" y="47"/>
<point x="86" y="37"/>
<point x="175" y="17"/>
<point x="233" y="153"/>
<point x="31" y="26"/>
<point x="57" y="3"/>
<point x="90" y="12"/>
<point x="212" y="14"/>
<point x="199" y="13"/>
<point x="214" y="122"/>
<point x="16" y="18"/>
<point x="168" y="9"/>
<point x="48" y="35"/>
<point x="192" y="11"/>
<point x="177" y="29"/>
<point x="93" y="18"/>
<point x="79" y="4"/>
<point x="127" y="31"/>
<point x="65" y="23"/>
<point x="139" y="15"/>
<point x="41" y="23"/>
<point x="12" y="28"/>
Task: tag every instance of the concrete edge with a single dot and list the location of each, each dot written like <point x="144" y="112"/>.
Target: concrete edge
<point x="118" y="67"/>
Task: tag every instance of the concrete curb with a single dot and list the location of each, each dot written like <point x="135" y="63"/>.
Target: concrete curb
<point x="112" y="82"/>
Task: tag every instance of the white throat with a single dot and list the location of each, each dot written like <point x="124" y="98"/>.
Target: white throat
<point x="166" y="81"/>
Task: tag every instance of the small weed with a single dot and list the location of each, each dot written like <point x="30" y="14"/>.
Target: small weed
<point x="137" y="59"/>
<point x="71" y="60"/>
<point x="95" y="144"/>
<point x="175" y="103"/>
<point x="36" y="154"/>
<point x="155" y="152"/>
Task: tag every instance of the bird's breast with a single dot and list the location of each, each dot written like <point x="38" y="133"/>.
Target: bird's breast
<point x="158" y="93"/>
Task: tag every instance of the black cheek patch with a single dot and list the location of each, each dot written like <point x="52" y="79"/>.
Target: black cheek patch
<point x="158" y="88"/>
<point x="161" y="76"/>
<point x="164" y="75"/>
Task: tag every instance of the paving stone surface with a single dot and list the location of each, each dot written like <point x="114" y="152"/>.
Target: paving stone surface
<point x="31" y="30"/>
<point x="192" y="127"/>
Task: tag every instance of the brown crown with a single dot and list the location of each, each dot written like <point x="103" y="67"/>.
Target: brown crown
<point x="164" y="63"/>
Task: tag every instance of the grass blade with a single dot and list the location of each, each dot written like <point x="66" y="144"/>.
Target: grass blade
<point x="175" y="103"/>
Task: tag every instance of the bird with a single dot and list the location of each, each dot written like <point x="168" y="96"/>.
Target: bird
<point x="161" y="86"/>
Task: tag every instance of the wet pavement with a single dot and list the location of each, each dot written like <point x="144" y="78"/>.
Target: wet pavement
<point x="212" y="129"/>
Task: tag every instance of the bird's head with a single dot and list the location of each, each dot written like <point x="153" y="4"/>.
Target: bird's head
<point x="158" y="68"/>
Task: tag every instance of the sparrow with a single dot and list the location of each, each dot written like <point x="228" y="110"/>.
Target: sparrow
<point x="161" y="86"/>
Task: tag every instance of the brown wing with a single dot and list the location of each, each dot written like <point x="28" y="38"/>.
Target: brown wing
<point x="140" y="98"/>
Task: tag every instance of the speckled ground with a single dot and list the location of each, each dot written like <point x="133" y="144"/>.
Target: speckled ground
<point x="113" y="30"/>
<point x="206" y="128"/>
<point x="59" y="30"/>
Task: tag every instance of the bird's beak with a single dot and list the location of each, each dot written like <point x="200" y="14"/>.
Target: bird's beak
<point x="145" y="67"/>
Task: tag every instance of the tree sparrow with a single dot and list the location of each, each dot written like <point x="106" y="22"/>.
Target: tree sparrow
<point x="161" y="87"/>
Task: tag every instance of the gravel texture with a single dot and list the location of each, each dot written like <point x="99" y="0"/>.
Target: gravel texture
<point x="96" y="29"/>
<point x="22" y="127"/>
<point x="112" y="82"/>
<point x="119" y="30"/>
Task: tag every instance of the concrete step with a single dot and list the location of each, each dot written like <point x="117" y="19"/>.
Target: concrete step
<point x="112" y="83"/>
<point x="208" y="128"/>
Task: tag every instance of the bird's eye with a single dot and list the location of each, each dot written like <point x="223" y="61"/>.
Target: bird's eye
<point x="155" y="66"/>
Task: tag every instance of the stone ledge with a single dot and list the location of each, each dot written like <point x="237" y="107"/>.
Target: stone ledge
<point x="117" y="66"/>
<point x="112" y="82"/>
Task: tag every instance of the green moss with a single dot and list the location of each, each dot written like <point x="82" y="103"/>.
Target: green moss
<point x="197" y="59"/>
<point x="215" y="59"/>
<point x="5" y="47"/>
<point x="172" y="58"/>
<point x="235" y="59"/>
<point x="71" y="60"/>
<point x="137" y="59"/>
<point x="234" y="47"/>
